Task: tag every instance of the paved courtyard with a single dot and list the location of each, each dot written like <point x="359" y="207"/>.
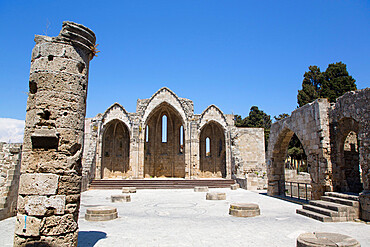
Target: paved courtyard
<point x="185" y="218"/>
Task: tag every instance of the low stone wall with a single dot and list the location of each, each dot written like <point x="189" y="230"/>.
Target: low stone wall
<point x="10" y="160"/>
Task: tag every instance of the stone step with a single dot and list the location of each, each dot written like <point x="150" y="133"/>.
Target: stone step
<point x="320" y="210"/>
<point x="329" y="205"/>
<point x="342" y="195"/>
<point x="160" y="183"/>
<point x="314" y="215"/>
<point x="338" y="200"/>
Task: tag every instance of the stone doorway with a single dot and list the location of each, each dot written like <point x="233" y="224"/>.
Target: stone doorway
<point x="352" y="170"/>
<point x="116" y="150"/>
<point x="212" y="150"/>
<point x="347" y="170"/>
<point x="164" y="144"/>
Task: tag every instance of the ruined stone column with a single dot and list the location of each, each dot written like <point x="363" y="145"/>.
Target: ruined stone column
<point x="49" y="190"/>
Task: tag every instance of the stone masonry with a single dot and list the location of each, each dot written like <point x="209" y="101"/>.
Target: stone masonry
<point x="122" y="145"/>
<point x="10" y="164"/>
<point x="328" y="133"/>
<point x="49" y="188"/>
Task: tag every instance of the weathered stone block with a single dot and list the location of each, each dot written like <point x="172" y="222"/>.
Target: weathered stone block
<point x="101" y="213"/>
<point x="56" y="225"/>
<point x="38" y="184"/>
<point x="244" y="209"/>
<point x="69" y="185"/>
<point x="201" y="189"/>
<point x="27" y="226"/>
<point x="234" y="186"/>
<point x="317" y="239"/>
<point x="216" y="196"/>
<point x="128" y="189"/>
<point x="121" y="198"/>
<point x="39" y="205"/>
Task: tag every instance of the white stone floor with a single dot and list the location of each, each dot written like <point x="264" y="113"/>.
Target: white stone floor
<point x="186" y="218"/>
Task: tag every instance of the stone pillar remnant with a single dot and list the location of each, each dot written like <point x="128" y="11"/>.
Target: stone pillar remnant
<point x="49" y="189"/>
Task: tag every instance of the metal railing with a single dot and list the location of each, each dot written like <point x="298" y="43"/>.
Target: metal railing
<point x="302" y="191"/>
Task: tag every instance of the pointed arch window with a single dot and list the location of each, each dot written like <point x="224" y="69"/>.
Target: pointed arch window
<point x="164" y="128"/>
<point x="147" y="133"/>
<point x="208" y="147"/>
<point x="181" y="139"/>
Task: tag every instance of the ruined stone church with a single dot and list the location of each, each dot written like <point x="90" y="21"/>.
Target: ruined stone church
<point x="164" y="138"/>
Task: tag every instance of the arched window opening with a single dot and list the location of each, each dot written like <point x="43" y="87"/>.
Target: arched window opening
<point x="181" y="139"/>
<point x="164" y="128"/>
<point x="147" y="133"/>
<point x="208" y="147"/>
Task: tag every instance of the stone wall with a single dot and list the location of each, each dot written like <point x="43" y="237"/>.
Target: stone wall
<point x="323" y="129"/>
<point x="51" y="171"/>
<point x="351" y="113"/>
<point x="10" y="163"/>
<point x="241" y="151"/>
<point x="89" y="152"/>
<point x="310" y="124"/>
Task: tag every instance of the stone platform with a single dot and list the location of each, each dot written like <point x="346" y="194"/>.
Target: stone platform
<point x="321" y="239"/>
<point x="101" y="213"/>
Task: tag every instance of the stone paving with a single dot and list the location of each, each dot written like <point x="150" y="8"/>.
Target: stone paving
<point x="186" y="218"/>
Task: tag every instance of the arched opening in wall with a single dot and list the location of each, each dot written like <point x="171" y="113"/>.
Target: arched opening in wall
<point x="289" y="169"/>
<point x="164" y="155"/>
<point x="296" y="172"/>
<point x="352" y="170"/>
<point x="347" y="174"/>
<point x="212" y="151"/>
<point x="116" y="150"/>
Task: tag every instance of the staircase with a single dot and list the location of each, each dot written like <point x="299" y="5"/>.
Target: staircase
<point x="159" y="183"/>
<point x="333" y="207"/>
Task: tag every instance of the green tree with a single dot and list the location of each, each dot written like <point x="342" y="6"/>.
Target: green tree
<point x="311" y="84"/>
<point x="256" y="119"/>
<point x="337" y="82"/>
<point x="331" y="84"/>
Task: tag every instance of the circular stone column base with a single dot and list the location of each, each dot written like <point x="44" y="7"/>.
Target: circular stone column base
<point x="101" y="213"/>
<point x="201" y="189"/>
<point x="216" y="196"/>
<point x="128" y="189"/>
<point x="317" y="239"/>
<point x="244" y="209"/>
<point x="120" y="198"/>
<point x="234" y="186"/>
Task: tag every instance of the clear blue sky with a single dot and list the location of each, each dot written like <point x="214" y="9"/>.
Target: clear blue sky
<point x="234" y="54"/>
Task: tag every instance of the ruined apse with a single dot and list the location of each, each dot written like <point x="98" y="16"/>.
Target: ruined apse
<point x="164" y="138"/>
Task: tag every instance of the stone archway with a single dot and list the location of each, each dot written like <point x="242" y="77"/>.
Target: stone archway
<point x="212" y="150"/>
<point x="346" y="168"/>
<point x="164" y="143"/>
<point x="116" y="150"/>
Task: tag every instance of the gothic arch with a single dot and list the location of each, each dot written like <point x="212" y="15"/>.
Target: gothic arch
<point x="115" y="150"/>
<point x="164" y="159"/>
<point x="163" y="95"/>
<point x="213" y="162"/>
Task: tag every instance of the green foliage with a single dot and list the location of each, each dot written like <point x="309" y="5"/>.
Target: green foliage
<point x="337" y="82"/>
<point x="331" y="84"/>
<point x="281" y="116"/>
<point x="255" y="119"/>
<point x="295" y="149"/>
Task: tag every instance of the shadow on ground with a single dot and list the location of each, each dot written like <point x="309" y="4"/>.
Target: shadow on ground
<point x="89" y="238"/>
